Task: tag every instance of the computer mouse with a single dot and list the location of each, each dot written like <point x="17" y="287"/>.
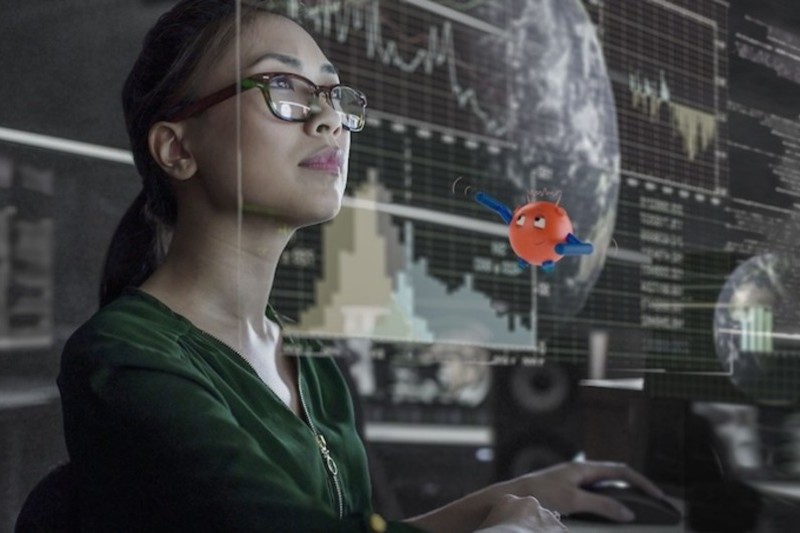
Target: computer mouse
<point x="649" y="510"/>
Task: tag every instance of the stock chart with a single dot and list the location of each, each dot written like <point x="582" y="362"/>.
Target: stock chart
<point x="665" y="128"/>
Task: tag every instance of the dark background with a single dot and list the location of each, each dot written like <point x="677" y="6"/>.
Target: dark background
<point x="62" y="64"/>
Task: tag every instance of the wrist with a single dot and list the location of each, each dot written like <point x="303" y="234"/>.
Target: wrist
<point x="463" y="515"/>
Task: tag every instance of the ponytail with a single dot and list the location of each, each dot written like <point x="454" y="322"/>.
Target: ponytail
<point x="137" y="247"/>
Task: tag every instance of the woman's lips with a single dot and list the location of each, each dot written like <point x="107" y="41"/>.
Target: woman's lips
<point x="327" y="160"/>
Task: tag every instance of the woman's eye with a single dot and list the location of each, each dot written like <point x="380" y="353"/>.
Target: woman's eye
<point x="539" y="222"/>
<point x="280" y="83"/>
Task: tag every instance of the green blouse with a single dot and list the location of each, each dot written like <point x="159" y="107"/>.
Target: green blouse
<point x="168" y="429"/>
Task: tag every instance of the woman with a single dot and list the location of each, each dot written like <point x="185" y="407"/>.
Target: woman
<point x="181" y="410"/>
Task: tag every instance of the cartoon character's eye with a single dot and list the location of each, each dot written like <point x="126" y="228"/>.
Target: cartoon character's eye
<point x="539" y="222"/>
<point x="521" y="221"/>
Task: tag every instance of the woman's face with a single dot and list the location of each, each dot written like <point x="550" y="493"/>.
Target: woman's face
<point x="279" y="177"/>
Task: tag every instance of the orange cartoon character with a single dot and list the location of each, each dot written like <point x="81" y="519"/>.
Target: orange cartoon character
<point x="540" y="233"/>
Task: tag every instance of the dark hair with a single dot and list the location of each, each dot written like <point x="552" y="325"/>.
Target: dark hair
<point x="183" y="41"/>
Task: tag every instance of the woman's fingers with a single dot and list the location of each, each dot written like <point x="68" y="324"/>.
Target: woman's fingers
<point x="513" y="513"/>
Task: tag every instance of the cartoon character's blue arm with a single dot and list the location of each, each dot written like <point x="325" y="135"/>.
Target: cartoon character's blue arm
<point x="495" y="205"/>
<point x="574" y="246"/>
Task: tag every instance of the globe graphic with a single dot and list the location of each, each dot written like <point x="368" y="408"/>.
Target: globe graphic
<point x="566" y="125"/>
<point x="757" y="328"/>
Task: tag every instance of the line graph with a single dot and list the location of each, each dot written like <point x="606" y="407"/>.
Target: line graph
<point x="648" y="96"/>
<point x="695" y="127"/>
<point x="349" y="22"/>
<point x="671" y="91"/>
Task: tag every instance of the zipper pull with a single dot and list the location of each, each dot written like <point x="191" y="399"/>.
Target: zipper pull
<point x="326" y="454"/>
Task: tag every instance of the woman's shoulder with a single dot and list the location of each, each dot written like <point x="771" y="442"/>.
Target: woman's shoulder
<point x="135" y="322"/>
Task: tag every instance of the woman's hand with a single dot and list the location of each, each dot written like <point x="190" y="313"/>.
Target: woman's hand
<point x="538" y="496"/>
<point x="559" y="488"/>
<point x="513" y="514"/>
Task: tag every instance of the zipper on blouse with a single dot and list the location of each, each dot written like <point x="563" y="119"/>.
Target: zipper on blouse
<point x="327" y="458"/>
<point x="325" y="453"/>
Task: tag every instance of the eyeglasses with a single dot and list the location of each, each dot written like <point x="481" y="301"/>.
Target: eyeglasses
<point x="293" y="98"/>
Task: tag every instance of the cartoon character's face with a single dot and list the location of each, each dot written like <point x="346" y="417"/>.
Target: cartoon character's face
<point x="535" y="230"/>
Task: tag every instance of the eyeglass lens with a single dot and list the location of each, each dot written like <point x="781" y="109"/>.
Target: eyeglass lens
<point x="292" y="99"/>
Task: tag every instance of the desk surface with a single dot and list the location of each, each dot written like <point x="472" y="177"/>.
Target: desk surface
<point x="580" y="526"/>
<point x="20" y="393"/>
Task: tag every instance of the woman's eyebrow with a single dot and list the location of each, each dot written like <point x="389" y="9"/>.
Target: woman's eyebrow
<point x="293" y="62"/>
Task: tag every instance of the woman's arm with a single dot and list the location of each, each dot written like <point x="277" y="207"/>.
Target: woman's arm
<point x="491" y="511"/>
<point x="557" y="488"/>
<point x="463" y="515"/>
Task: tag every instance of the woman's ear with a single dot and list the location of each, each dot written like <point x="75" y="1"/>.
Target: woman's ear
<point x="166" y="142"/>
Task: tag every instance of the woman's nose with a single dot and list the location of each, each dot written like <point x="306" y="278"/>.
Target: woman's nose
<point x="323" y="116"/>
